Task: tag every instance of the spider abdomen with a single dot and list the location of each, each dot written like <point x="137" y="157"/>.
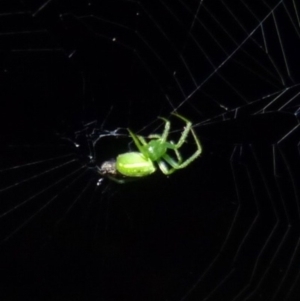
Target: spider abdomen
<point x="134" y="164"/>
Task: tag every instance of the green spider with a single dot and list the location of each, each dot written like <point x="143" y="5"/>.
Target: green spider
<point x="142" y="163"/>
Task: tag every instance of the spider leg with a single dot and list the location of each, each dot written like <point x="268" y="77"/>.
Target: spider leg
<point x="178" y="155"/>
<point x="154" y="136"/>
<point x="194" y="156"/>
<point x="179" y="165"/>
<point x="166" y="131"/>
<point x="172" y="146"/>
<point x="121" y="181"/>
<point x="176" y="165"/>
<point x="163" y="166"/>
<point x="190" y="159"/>
<point x="188" y="128"/>
<point x="185" y="132"/>
<point x="137" y="141"/>
<point x="142" y="140"/>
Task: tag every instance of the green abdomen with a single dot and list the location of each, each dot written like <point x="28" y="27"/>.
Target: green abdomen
<point x="134" y="164"/>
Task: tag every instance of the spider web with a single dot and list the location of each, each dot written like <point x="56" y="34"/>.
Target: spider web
<point x="75" y="75"/>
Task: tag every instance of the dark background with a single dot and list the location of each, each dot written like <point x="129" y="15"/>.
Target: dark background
<point x="226" y="227"/>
